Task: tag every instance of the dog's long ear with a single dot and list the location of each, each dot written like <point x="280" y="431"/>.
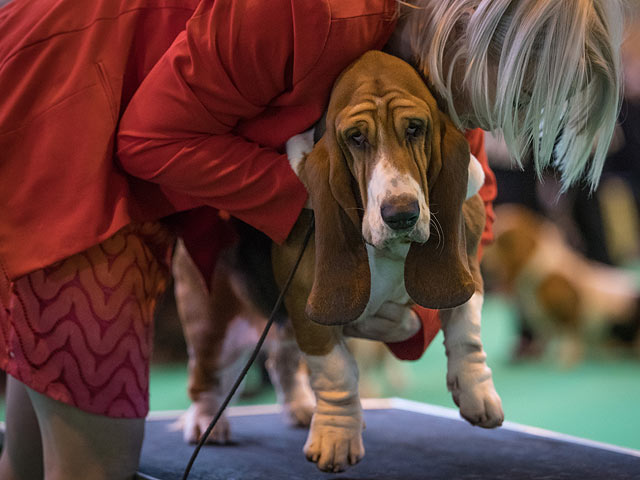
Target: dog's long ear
<point x="342" y="280"/>
<point x="437" y="273"/>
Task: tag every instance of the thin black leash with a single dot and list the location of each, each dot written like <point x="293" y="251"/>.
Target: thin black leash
<point x="256" y="350"/>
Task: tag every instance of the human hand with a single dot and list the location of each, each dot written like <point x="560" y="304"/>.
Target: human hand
<point x="297" y="148"/>
<point x="393" y="322"/>
<point x="476" y="177"/>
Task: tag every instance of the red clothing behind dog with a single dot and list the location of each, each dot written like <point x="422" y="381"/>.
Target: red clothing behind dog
<point x="207" y="126"/>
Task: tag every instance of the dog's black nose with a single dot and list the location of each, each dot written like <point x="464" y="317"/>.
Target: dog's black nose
<point x="401" y="212"/>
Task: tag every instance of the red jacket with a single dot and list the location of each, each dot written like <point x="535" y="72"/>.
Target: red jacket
<point x="206" y="126"/>
<point x="67" y="70"/>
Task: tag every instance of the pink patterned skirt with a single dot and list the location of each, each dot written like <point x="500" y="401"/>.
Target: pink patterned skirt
<point x="80" y="331"/>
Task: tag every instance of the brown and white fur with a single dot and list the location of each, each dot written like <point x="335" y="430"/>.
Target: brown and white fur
<point x="388" y="183"/>
<point x="566" y="300"/>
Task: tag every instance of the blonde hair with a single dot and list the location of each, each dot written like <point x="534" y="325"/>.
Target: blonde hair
<point x="557" y="85"/>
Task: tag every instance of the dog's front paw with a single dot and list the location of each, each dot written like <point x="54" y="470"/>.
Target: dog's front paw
<point x="196" y="420"/>
<point x="477" y="398"/>
<point x="334" y="442"/>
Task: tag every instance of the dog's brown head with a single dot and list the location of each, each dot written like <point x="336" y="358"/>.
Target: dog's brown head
<point x="391" y="169"/>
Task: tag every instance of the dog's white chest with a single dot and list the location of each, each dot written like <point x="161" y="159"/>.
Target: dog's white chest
<point x="387" y="278"/>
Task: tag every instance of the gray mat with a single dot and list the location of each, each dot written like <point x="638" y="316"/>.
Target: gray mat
<point x="400" y="445"/>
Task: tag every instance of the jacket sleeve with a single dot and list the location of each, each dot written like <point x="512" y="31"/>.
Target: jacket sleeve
<point x="178" y="130"/>
<point x="413" y="348"/>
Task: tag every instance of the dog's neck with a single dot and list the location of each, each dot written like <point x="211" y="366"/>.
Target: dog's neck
<point x="393" y="251"/>
<point x="387" y="285"/>
<point x="387" y="275"/>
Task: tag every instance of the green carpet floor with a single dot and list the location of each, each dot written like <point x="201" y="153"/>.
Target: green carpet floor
<point x="597" y="399"/>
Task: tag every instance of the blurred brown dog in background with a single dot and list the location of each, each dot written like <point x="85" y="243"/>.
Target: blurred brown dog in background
<point x="566" y="301"/>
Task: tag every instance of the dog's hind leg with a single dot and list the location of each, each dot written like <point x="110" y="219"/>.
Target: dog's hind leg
<point x="205" y="337"/>
<point x="290" y="377"/>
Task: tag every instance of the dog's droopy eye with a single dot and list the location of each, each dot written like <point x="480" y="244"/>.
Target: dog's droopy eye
<point x="414" y="129"/>
<point x="357" y="138"/>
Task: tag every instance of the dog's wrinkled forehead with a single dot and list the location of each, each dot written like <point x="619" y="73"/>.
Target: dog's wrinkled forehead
<point x="382" y="76"/>
<point x="387" y="103"/>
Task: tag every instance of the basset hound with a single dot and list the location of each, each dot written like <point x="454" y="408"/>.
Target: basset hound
<point x="388" y="184"/>
<point x="397" y="222"/>
<point x="564" y="299"/>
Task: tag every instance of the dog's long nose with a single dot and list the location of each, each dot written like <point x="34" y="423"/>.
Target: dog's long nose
<point x="400" y="212"/>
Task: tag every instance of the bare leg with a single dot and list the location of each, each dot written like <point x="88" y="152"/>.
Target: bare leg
<point x="22" y="450"/>
<point x="77" y="444"/>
